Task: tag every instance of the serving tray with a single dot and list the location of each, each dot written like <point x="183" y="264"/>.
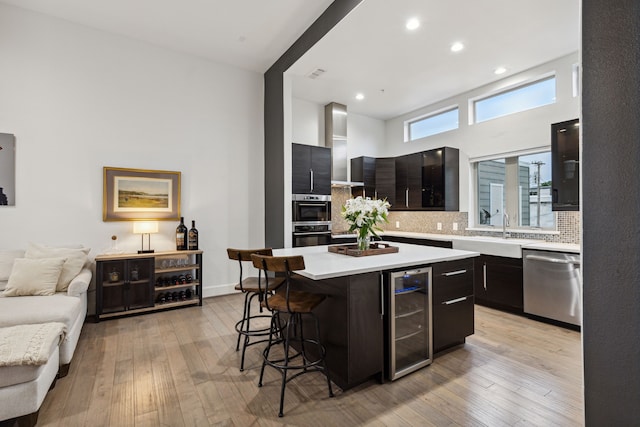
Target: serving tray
<point x="374" y="249"/>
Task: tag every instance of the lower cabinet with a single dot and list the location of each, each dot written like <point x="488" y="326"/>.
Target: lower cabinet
<point x="453" y="313"/>
<point x="498" y="283"/>
<point x="138" y="283"/>
<point x="351" y="326"/>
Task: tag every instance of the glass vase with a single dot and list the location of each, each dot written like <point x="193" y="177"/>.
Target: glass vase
<point x="363" y="242"/>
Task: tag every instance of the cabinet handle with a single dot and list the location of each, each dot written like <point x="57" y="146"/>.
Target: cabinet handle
<point x="375" y="194"/>
<point x="406" y="197"/>
<point x="381" y="294"/>
<point x="311" y="170"/>
<point x="484" y="276"/>
<point x="454" y="273"/>
<point x="453" y="301"/>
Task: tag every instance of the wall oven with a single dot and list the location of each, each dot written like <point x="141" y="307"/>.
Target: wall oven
<point x="311" y="220"/>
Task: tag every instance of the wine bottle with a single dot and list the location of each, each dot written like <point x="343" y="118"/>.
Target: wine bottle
<point x="181" y="236"/>
<point x="193" y="237"/>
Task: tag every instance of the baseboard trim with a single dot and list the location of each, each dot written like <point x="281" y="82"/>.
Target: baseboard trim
<point x="218" y="290"/>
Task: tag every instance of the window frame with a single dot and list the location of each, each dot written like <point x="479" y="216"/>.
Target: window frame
<point x="474" y="220"/>
<point x="431" y="114"/>
<point x="510" y="88"/>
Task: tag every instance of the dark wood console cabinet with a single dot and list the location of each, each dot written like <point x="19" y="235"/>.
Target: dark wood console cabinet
<point x="135" y="283"/>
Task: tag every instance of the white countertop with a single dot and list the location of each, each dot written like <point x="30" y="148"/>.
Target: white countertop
<point x="322" y="264"/>
<point x="554" y="247"/>
<point x="488" y="245"/>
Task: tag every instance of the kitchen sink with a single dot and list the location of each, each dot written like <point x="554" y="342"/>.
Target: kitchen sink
<point x="511" y="248"/>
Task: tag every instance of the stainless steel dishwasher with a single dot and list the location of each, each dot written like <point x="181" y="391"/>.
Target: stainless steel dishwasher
<point x="553" y="285"/>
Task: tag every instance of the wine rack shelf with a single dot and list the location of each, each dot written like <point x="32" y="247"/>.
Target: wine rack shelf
<point x="129" y="284"/>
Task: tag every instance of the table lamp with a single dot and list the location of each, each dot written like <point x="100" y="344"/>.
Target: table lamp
<point x="142" y="228"/>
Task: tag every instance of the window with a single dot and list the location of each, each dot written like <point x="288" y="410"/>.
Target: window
<point x="518" y="185"/>
<point x="432" y="124"/>
<point x="521" y="98"/>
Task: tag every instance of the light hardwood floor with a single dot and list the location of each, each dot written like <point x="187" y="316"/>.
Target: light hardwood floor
<point x="179" y="368"/>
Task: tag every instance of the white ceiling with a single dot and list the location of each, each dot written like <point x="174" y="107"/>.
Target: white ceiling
<point x="250" y="34"/>
<point x="370" y="51"/>
<point x="398" y="71"/>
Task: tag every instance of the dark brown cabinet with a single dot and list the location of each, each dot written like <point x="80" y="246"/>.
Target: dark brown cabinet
<point x="498" y="282"/>
<point x="565" y="166"/>
<point x="363" y="169"/>
<point x="453" y="299"/>
<point x="441" y="179"/>
<point x="310" y="169"/>
<point x="428" y="180"/>
<point x="123" y="285"/>
<point x="408" y="182"/>
<point x="386" y="179"/>
<point x="139" y="283"/>
<point x="351" y="326"/>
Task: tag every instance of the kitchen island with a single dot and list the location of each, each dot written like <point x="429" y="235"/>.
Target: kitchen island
<point x="353" y="319"/>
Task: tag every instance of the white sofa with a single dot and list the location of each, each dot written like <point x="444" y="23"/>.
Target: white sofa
<point x="20" y="304"/>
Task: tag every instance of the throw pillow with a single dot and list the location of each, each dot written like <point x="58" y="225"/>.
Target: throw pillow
<point x="34" y="277"/>
<point x="75" y="260"/>
<point x="6" y="262"/>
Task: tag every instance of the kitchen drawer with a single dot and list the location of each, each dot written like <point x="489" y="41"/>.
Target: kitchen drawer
<point x="452" y="279"/>
<point x="452" y="322"/>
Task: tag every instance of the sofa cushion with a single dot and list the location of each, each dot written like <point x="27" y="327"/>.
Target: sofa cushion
<point x="12" y="375"/>
<point x="40" y="309"/>
<point x="3" y="284"/>
<point x="6" y="262"/>
<point x="34" y="277"/>
<point x="75" y="260"/>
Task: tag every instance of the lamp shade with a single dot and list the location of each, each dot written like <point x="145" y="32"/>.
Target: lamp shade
<point x="145" y="227"/>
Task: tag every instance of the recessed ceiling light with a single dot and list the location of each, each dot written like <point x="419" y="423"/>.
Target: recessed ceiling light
<point x="457" y="47"/>
<point x="412" y="24"/>
<point x="359" y="97"/>
<point x="500" y="70"/>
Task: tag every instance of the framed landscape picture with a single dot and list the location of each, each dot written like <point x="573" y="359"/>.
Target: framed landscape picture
<point x="137" y="194"/>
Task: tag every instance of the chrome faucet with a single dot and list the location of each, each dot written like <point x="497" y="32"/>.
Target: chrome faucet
<point x="505" y="224"/>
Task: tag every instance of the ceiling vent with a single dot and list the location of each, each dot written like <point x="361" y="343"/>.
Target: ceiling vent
<point x="316" y="73"/>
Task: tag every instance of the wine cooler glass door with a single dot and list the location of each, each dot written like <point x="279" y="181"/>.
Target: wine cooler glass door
<point x="410" y="322"/>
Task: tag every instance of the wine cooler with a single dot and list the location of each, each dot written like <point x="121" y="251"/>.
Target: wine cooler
<point x="409" y="323"/>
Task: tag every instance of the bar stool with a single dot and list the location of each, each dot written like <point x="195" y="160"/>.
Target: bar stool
<point x="294" y="304"/>
<point x="252" y="287"/>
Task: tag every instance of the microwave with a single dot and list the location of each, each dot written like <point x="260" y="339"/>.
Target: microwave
<point x="310" y="208"/>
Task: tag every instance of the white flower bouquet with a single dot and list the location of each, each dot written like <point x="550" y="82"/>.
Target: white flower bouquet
<point x="363" y="215"/>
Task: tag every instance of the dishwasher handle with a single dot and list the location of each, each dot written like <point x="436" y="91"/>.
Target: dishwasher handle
<point x="554" y="260"/>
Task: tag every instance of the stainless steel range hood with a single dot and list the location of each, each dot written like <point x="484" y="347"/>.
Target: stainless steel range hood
<point x="335" y="137"/>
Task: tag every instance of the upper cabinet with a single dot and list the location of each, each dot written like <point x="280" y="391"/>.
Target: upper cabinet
<point x="427" y="180"/>
<point x="386" y="179"/>
<point x="565" y="165"/>
<point x="310" y="169"/>
<point x="441" y="179"/>
<point x="408" y="181"/>
<point x="363" y="169"/>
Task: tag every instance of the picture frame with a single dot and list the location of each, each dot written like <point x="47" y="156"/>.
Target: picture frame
<point x="140" y="194"/>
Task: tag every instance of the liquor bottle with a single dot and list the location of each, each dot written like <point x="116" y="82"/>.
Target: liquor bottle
<point x="193" y="237"/>
<point x="181" y="236"/>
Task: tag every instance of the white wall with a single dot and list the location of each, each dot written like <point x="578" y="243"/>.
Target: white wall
<point x="521" y="131"/>
<point x="78" y="99"/>
<point x="365" y="135"/>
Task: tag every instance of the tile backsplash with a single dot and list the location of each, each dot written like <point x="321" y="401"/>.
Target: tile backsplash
<point x="567" y="223"/>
